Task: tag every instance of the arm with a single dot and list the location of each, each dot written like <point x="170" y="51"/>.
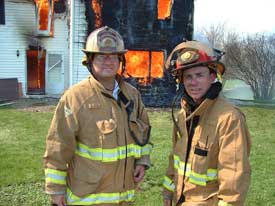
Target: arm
<point x="168" y="181"/>
<point x="144" y="126"/>
<point x="233" y="161"/>
<point x="60" y="147"/>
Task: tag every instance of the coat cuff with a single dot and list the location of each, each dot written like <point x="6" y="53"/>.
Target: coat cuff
<point x="144" y="160"/>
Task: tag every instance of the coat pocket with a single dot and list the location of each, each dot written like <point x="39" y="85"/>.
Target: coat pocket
<point x="139" y="130"/>
<point x="85" y="176"/>
<point x="106" y="126"/>
<point x="107" y="130"/>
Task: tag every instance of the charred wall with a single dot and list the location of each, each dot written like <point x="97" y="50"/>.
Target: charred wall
<point x="137" y="21"/>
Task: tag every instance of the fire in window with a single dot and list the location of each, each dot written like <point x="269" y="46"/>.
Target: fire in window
<point x="164" y="9"/>
<point x="44" y="17"/>
<point x="144" y="65"/>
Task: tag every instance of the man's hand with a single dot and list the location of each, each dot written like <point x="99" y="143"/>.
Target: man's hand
<point x="167" y="202"/>
<point x="139" y="173"/>
<point x="58" y="200"/>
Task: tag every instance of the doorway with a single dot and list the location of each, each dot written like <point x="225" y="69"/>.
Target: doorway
<point x="36" y="71"/>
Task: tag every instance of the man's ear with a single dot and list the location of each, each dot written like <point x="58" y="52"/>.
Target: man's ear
<point x="213" y="76"/>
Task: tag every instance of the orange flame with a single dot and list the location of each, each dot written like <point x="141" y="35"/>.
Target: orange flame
<point x="98" y="14"/>
<point x="137" y="63"/>
<point x="144" y="65"/>
<point x="43" y="11"/>
<point x="157" y="64"/>
<point x="164" y="9"/>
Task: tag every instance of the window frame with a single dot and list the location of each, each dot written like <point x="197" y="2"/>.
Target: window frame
<point x="2" y="12"/>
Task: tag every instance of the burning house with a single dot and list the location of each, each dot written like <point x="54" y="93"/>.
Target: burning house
<point x="41" y="42"/>
<point x="150" y="30"/>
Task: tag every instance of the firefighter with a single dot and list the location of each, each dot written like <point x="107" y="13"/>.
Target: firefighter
<point x="97" y="147"/>
<point x="209" y="164"/>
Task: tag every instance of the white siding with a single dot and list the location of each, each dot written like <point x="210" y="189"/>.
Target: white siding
<point x="80" y="33"/>
<point x="16" y="35"/>
<point x="13" y="36"/>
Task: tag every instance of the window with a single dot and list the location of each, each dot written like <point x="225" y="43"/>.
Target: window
<point x="2" y="12"/>
<point x="164" y="9"/>
<point x="144" y="65"/>
<point x="44" y="17"/>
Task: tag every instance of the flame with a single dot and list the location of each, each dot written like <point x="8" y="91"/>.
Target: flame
<point x="144" y="65"/>
<point x="43" y="11"/>
<point x="137" y="63"/>
<point x="98" y="14"/>
<point x="44" y="7"/>
<point x="157" y="64"/>
<point x="164" y="8"/>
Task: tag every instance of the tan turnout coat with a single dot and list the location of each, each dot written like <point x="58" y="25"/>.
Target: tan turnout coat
<point x="90" y="153"/>
<point x="218" y="170"/>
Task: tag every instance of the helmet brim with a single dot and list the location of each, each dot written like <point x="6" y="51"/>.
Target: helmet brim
<point x="214" y="65"/>
<point x="105" y="52"/>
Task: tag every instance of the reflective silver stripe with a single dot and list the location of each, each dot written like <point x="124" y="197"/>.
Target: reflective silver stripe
<point x="196" y="178"/>
<point x="168" y="184"/>
<point x="111" y="155"/>
<point x="100" y="198"/>
<point x="55" y="176"/>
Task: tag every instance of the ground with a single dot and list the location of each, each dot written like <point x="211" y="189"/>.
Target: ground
<point x="35" y="104"/>
<point x="48" y="104"/>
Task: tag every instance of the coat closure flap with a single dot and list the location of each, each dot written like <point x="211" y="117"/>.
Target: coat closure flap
<point x="201" y="109"/>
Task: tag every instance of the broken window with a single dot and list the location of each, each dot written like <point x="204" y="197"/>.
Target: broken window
<point x="144" y="65"/>
<point x="44" y="17"/>
<point x="164" y="9"/>
<point x="2" y="12"/>
<point x="59" y="6"/>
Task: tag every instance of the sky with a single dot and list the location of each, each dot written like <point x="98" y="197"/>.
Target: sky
<point x="244" y="16"/>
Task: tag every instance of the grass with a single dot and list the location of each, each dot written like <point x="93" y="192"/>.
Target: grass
<point x="22" y="136"/>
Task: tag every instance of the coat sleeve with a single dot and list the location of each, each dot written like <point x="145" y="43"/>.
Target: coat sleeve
<point x="145" y="127"/>
<point x="60" y="147"/>
<point x="168" y="181"/>
<point x="233" y="160"/>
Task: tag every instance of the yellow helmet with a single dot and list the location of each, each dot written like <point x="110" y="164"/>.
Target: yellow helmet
<point x="193" y="53"/>
<point x="105" y="40"/>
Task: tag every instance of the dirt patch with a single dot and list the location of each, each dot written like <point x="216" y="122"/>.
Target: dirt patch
<point x="35" y="104"/>
<point x="47" y="104"/>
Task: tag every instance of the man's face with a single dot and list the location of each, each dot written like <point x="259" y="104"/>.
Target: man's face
<point x="105" y="65"/>
<point x="197" y="81"/>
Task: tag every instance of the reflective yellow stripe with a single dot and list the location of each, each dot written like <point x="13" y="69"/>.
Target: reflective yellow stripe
<point x="195" y="178"/>
<point x="223" y="203"/>
<point x="55" y="176"/>
<point x="168" y="184"/>
<point x="100" y="198"/>
<point x="115" y="154"/>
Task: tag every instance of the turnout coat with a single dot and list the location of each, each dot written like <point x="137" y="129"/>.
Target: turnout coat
<point x="90" y="149"/>
<point x="217" y="170"/>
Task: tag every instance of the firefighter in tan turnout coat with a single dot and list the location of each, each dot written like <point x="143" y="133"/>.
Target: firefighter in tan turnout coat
<point x="209" y="164"/>
<point x="97" y="147"/>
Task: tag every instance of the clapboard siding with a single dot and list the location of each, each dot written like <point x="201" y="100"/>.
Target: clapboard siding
<point x="17" y="34"/>
<point x="79" y="72"/>
<point x="19" y="21"/>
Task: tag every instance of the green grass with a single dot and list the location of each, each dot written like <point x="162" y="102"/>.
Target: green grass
<point x="22" y="136"/>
